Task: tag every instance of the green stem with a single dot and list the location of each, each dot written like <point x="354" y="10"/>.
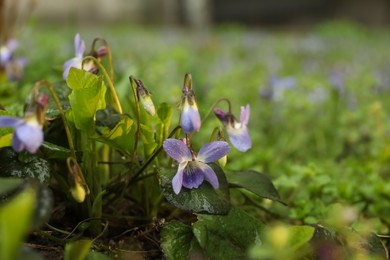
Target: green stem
<point x="58" y="103"/>
<point x="110" y="84"/>
<point x="109" y="54"/>
<point x="138" y="111"/>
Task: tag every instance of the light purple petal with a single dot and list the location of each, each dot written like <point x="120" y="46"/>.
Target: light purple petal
<point x="209" y="175"/>
<point x="79" y="46"/>
<point x="177" y="181"/>
<point x="193" y="175"/>
<point x="30" y="136"/>
<point x="240" y="138"/>
<point x="190" y="119"/>
<point x="74" y="62"/>
<point x="245" y="113"/>
<point x="213" y="151"/>
<point x="9" y="121"/>
<point x="177" y="149"/>
<point x="12" y="45"/>
<point x="17" y="145"/>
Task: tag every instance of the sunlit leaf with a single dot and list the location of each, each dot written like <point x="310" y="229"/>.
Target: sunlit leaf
<point x="227" y="237"/>
<point x="87" y="96"/>
<point x="256" y="182"/>
<point x="147" y="137"/>
<point x="204" y="199"/>
<point x="6" y="140"/>
<point x="77" y="250"/>
<point x="15" y="219"/>
<point x="121" y="137"/>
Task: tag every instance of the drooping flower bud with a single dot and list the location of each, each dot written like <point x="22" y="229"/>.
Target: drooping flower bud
<point x="77" y="187"/>
<point x="144" y="96"/>
<point x="189" y="118"/>
<point x="237" y="130"/>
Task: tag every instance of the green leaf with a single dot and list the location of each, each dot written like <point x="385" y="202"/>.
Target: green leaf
<point x="204" y="199"/>
<point x="227" y="237"/>
<point x="121" y="137"/>
<point x="176" y="240"/>
<point x="52" y="151"/>
<point x="31" y="166"/>
<point x="15" y="219"/>
<point x="299" y="236"/>
<point x="5" y="130"/>
<point x="164" y="113"/>
<point x="256" y="182"/>
<point x="9" y="184"/>
<point x="62" y="91"/>
<point x="87" y="96"/>
<point x="147" y="137"/>
<point x="77" y="250"/>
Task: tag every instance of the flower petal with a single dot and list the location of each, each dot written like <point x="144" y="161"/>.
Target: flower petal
<point x="74" y="62"/>
<point x="79" y="46"/>
<point x="193" y="175"/>
<point x="31" y="136"/>
<point x="177" y="181"/>
<point x="17" y="145"/>
<point x="177" y="149"/>
<point x="9" y="121"/>
<point x="222" y="116"/>
<point x="213" y="151"/>
<point x="245" y="113"/>
<point x="190" y="119"/>
<point x="209" y="175"/>
<point x="240" y="138"/>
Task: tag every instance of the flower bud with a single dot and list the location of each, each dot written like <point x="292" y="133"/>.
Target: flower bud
<point x="189" y="118"/>
<point x="77" y="188"/>
<point x="144" y="96"/>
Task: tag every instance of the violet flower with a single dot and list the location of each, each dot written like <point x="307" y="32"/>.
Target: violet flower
<point x="237" y="130"/>
<point x="27" y="135"/>
<point x="189" y="117"/>
<point x="12" y="67"/>
<point x="75" y="62"/>
<point x="193" y="169"/>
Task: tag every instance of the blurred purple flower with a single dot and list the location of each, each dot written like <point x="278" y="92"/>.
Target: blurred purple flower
<point x="193" y="170"/>
<point x="75" y="62"/>
<point x="13" y="67"/>
<point x="189" y="118"/>
<point x="276" y="87"/>
<point x="238" y="131"/>
<point x="27" y="135"/>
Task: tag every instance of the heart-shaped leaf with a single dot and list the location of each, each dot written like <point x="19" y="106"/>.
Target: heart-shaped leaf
<point x="227" y="237"/>
<point x="176" y="240"/>
<point x="256" y="182"/>
<point x="204" y="199"/>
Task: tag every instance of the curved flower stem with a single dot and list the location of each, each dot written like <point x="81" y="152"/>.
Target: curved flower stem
<point x="137" y="131"/>
<point x="216" y="130"/>
<point x="214" y="105"/>
<point x="109" y="81"/>
<point x="58" y="103"/>
<point x="109" y="54"/>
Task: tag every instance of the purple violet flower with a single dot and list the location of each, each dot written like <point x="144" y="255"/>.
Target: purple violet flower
<point x="237" y="130"/>
<point x="75" y="62"/>
<point x="12" y="67"/>
<point x="27" y="135"/>
<point x="193" y="169"/>
<point x="189" y="118"/>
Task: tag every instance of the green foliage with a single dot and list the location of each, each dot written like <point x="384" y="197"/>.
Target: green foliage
<point x="15" y="221"/>
<point x="176" y="240"/>
<point x="227" y="237"/>
<point x="77" y="250"/>
<point x="204" y="199"/>
<point x="256" y="182"/>
<point x="86" y="98"/>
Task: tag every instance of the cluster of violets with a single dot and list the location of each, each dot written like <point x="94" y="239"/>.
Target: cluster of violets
<point x="193" y="168"/>
<point x="10" y="66"/>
